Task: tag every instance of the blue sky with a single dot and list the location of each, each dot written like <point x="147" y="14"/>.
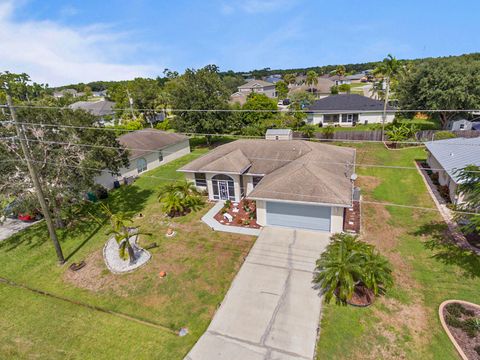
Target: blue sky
<point x="59" y="42"/>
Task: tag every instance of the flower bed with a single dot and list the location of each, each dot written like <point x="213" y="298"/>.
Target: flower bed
<point x="462" y="323"/>
<point x="242" y="214"/>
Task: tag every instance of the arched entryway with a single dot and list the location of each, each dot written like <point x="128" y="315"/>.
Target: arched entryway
<point x="223" y="187"/>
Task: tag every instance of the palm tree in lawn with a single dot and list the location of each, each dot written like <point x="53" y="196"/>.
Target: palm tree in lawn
<point x="348" y="263"/>
<point x="179" y="198"/>
<point x="388" y="70"/>
<point x="312" y="79"/>
<point x="289" y="78"/>
<point x="121" y="231"/>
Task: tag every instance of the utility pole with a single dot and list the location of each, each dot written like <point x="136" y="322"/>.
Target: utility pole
<point x="384" y="115"/>
<point x="130" y="100"/>
<point x="36" y="182"/>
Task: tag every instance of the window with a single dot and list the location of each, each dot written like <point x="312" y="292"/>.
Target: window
<point x="256" y="180"/>
<point x="160" y="156"/>
<point x="462" y="126"/>
<point x="141" y="165"/>
<point x="330" y="118"/>
<point x="200" y="180"/>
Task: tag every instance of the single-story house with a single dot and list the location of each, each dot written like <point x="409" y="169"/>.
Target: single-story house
<point x="348" y="110"/>
<point x="445" y="157"/>
<point x="273" y="79"/>
<point x="102" y="109"/>
<point x="258" y="86"/>
<point x="320" y="89"/>
<point x="62" y="93"/>
<point x="295" y="183"/>
<point x="357" y="78"/>
<point x="148" y="149"/>
<point x="340" y="80"/>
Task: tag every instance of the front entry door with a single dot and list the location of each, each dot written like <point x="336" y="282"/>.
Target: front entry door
<point x="223" y="189"/>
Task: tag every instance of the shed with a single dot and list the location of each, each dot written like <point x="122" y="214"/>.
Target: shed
<point x="279" y="134"/>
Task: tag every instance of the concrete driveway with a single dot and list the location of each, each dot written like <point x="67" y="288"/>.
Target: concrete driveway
<point x="270" y="311"/>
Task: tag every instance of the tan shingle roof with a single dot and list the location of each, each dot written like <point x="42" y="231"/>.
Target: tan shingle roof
<point x="254" y="83"/>
<point x="294" y="170"/>
<point x="148" y="140"/>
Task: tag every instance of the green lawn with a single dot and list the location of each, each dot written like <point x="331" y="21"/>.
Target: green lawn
<point x="200" y="264"/>
<point x="403" y="324"/>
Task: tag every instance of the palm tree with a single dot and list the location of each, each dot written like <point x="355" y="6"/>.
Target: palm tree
<point x="388" y="70"/>
<point x="348" y="263"/>
<point x="119" y="228"/>
<point x="312" y="79"/>
<point x="179" y="198"/>
<point x="289" y="78"/>
<point x="340" y="70"/>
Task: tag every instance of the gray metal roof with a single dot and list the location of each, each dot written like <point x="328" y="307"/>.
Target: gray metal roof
<point x="454" y="154"/>
<point x="279" y="131"/>
<point x="97" y="108"/>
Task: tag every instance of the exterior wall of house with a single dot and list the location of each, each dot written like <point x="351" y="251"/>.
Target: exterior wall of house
<point x="336" y="220"/>
<point x="445" y="180"/>
<point x="248" y="183"/>
<point x="170" y="153"/>
<point x="269" y="91"/>
<point x="369" y="118"/>
<point x="261" y="212"/>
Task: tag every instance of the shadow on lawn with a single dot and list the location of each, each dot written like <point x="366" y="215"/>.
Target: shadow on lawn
<point x="447" y="251"/>
<point x="31" y="237"/>
<point x="130" y="199"/>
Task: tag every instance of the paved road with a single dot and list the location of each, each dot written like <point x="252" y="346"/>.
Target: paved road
<point x="270" y="311"/>
<point x="11" y="226"/>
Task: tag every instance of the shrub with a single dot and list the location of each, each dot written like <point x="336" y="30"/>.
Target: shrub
<point x="308" y="131"/>
<point x="164" y="125"/>
<point x="471" y="326"/>
<point x="328" y="132"/>
<point x="453" y="321"/>
<point x="441" y="135"/>
<point x="454" y="309"/>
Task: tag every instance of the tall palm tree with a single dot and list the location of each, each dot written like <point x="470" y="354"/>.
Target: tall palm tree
<point x="388" y="70"/>
<point x="312" y="79"/>
<point x="289" y="78"/>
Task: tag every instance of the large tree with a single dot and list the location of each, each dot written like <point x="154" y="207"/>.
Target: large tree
<point x="199" y="90"/>
<point x="66" y="168"/>
<point x="441" y="84"/>
<point x="469" y="188"/>
<point x="258" y="106"/>
<point x="282" y="89"/>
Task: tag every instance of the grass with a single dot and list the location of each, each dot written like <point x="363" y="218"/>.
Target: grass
<point x="404" y="323"/>
<point x="200" y="265"/>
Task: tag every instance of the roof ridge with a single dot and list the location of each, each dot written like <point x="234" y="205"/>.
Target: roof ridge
<point x="323" y="182"/>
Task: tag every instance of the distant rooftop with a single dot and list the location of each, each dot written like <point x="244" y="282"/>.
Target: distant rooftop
<point x="347" y="102"/>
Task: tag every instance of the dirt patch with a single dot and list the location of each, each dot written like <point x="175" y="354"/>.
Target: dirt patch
<point x="367" y="183"/>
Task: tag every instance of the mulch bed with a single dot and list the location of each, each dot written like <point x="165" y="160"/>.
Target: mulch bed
<point x="240" y="218"/>
<point x="466" y="343"/>
<point x="361" y="297"/>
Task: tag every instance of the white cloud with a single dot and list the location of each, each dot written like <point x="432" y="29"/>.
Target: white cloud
<point x="257" y="6"/>
<point x="58" y="54"/>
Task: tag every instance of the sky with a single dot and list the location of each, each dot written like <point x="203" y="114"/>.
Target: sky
<point x="61" y="42"/>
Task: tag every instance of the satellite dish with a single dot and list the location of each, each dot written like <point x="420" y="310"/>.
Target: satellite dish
<point x="354" y="177"/>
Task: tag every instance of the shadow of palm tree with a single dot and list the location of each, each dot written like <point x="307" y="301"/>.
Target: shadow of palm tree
<point x="32" y="237"/>
<point x="447" y="251"/>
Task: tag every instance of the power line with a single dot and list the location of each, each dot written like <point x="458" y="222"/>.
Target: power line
<point x="192" y="134"/>
<point x="272" y="191"/>
<point x="252" y="158"/>
<point x="259" y="110"/>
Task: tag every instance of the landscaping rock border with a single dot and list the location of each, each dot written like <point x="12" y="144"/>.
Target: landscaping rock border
<point x="119" y="266"/>
<point x="445" y="326"/>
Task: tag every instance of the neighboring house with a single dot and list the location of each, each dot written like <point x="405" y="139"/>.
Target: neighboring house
<point x="258" y="86"/>
<point x="460" y="124"/>
<point x="321" y="89"/>
<point x="445" y="157"/>
<point x="337" y="79"/>
<point x="295" y="183"/>
<point x="357" y="78"/>
<point x="148" y="149"/>
<point x="62" y="93"/>
<point x="273" y="79"/>
<point x="238" y="97"/>
<point x="279" y="134"/>
<point x="102" y="93"/>
<point x="347" y="110"/>
<point x="102" y="109"/>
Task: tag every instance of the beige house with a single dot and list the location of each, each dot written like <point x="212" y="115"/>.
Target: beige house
<point x="294" y="182"/>
<point x="148" y="149"/>
<point x="446" y="157"/>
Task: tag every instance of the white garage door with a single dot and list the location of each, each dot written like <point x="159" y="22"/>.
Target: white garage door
<point x="298" y="216"/>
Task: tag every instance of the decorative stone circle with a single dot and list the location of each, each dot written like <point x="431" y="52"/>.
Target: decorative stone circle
<point x="116" y="264"/>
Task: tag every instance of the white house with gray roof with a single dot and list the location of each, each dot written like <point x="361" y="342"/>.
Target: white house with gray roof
<point x="348" y="110"/>
<point x="445" y="157"/>
<point x="295" y="183"/>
